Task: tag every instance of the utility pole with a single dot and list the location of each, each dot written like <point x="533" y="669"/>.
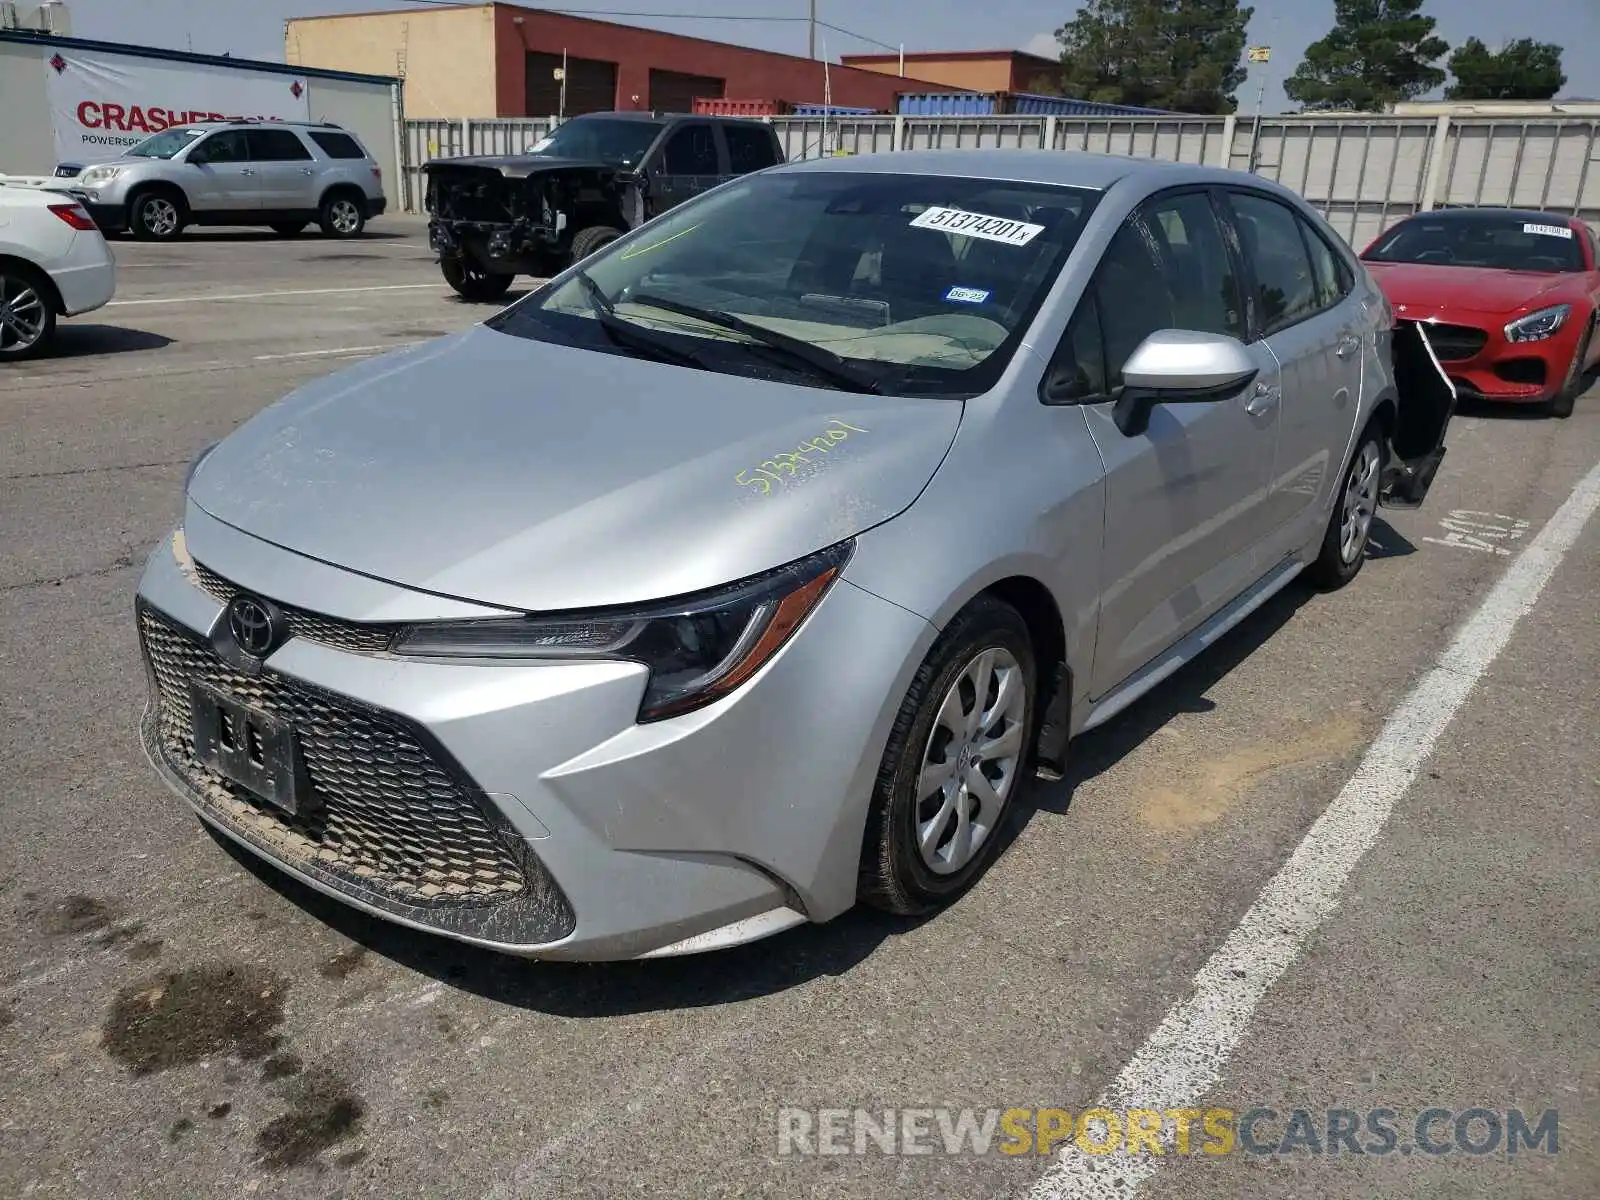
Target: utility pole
<point x="811" y="41"/>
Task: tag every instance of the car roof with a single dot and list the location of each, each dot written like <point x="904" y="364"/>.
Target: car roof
<point x="1566" y="220"/>
<point x="1064" y="167"/>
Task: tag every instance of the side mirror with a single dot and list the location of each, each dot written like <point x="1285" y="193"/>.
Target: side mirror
<point x="1180" y="366"/>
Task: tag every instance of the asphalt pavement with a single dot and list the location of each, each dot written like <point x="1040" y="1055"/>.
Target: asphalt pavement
<point x="178" y="1020"/>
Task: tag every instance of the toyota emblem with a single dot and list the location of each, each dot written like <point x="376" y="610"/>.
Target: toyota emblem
<point x="254" y="625"/>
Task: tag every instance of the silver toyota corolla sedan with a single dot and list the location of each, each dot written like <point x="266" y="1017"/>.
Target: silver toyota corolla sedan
<point x="749" y="568"/>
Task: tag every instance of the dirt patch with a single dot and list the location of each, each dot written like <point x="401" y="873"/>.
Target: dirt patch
<point x="6" y="1015"/>
<point x="119" y="935"/>
<point x="145" y="949"/>
<point x="179" y="1127"/>
<point x="72" y="915"/>
<point x="190" y="1015"/>
<point x="353" y="1158"/>
<point x="323" y="1111"/>
<point x="435" y="1097"/>
<point x="218" y="1111"/>
<point x="280" y="1066"/>
<point x="1213" y="785"/>
<point x="342" y="965"/>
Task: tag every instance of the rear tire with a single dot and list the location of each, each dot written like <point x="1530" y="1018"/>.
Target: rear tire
<point x="342" y="215"/>
<point x="472" y="282"/>
<point x="156" y="216"/>
<point x="953" y="764"/>
<point x="288" y="228"/>
<point x="586" y="241"/>
<point x="1577" y="381"/>
<point x="1344" y="545"/>
<point x="27" y="312"/>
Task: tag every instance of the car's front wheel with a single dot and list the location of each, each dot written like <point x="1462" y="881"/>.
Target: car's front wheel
<point x="1577" y="380"/>
<point x="472" y="282"/>
<point x="956" y="756"/>
<point x="155" y="216"/>
<point x="1344" y="545"/>
<point x="27" y="316"/>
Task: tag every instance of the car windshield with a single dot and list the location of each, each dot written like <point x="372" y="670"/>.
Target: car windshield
<point x="164" y="144"/>
<point x="904" y="284"/>
<point x="623" y="142"/>
<point x="1508" y="242"/>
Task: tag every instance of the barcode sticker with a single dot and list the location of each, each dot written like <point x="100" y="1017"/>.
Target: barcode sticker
<point x="1560" y="231"/>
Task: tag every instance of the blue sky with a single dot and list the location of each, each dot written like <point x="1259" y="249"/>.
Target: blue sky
<point x="254" y="28"/>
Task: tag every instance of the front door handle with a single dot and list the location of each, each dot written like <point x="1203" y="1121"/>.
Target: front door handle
<point x="1348" y="346"/>
<point x="246" y="171"/>
<point x="305" y="171"/>
<point x="1264" y="400"/>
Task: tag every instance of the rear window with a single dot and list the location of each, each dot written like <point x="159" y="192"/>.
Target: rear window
<point x="338" y="145"/>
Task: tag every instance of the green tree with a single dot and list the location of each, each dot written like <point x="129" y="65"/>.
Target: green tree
<point x="1183" y="55"/>
<point x="1378" y="52"/>
<point x="1523" y="70"/>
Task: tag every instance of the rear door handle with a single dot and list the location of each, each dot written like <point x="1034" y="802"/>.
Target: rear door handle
<point x="1264" y="400"/>
<point x="1348" y="346"/>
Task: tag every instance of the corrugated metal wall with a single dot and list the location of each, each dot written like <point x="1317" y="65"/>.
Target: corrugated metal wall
<point x="1363" y="172"/>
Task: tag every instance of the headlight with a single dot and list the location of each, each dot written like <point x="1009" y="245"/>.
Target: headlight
<point x="1536" y="327"/>
<point x="698" y="649"/>
<point x="188" y="475"/>
<point x="101" y="174"/>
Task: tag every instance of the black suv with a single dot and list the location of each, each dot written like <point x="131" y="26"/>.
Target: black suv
<point x="593" y="179"/>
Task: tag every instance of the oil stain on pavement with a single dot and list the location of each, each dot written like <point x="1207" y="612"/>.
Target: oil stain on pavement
<point x="185" y="1017"/>
<point x="73" y="915"/>
<point x="323" y="1111"/>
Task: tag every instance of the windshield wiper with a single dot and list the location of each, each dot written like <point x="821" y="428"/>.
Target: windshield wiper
<point x="833" y="367"/>
<point x="626" y="333"/>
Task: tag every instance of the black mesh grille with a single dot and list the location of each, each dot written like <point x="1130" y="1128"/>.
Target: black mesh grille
<point x="1454" y="343"/>
<point x="314" y="627"/>
<point x="389" y="817"/>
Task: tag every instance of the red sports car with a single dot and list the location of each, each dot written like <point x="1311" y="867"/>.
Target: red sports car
<point x="1509" y="299"/>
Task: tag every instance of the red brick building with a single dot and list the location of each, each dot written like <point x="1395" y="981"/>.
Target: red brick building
<point x="500" y="60"/>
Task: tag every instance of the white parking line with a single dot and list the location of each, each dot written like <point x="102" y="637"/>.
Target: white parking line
<point x="382" y="287"/>
<point x="335" y="350"/>
<point x="1184" y="1058"/>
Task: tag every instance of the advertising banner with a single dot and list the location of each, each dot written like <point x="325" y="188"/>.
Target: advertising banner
<point x="100" y="103"/>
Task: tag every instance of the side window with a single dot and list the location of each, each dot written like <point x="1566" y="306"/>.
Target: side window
<point x="1078" y="370"/>
<point x="1134" y="295"/>
<point x="1205" y="290"/>
<point x="225" y="147"/>
<point x="749" y="148"/>
<point x="338" y="145"/>
<point x="1269" y="233"/>
<point x="276" y="145"/>
<point x="691" y="151"/>
<point x="1327" y="268"/>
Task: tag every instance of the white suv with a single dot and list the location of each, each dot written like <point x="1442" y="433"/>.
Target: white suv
<point x="280" y="174"/>
<point x="53" y="262"/>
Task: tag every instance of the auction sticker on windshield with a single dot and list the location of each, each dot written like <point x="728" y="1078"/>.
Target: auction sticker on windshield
<point x="978" y="225"/>
<point x="1560" y="231"/>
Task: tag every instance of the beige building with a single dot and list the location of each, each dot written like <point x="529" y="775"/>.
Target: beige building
<point x="969" y="70"/>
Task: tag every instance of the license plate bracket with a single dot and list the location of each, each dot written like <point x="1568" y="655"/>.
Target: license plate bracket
<point x="253" y="749"/>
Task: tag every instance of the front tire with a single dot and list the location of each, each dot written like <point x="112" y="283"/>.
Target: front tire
<point x="342" y="215"/>
<point x="1344" y="545"/>
<point x="586" y="241"/>
<point x="1576" y="382"/>
<point x="156" y="216"/>
<point x="472" y="282"/>
<point x="956" y="756"/>
<point x="27" y="313"/>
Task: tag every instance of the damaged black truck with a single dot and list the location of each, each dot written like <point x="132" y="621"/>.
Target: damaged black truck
<point x="593" y="179"/>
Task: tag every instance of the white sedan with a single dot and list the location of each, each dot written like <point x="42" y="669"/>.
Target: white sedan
<point x="53" y="262"/>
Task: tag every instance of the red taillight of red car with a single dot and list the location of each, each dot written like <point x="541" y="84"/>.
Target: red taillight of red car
<point x="74" y="215"/>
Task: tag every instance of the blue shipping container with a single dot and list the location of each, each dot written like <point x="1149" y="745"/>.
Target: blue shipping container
<point x="830" y="110"/>
<point x="946" y="104"/>
<point x="1035" y="105"/>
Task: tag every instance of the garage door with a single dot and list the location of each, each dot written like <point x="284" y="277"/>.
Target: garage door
<point x="673" y="91"/>
<point x="591" y="85"/>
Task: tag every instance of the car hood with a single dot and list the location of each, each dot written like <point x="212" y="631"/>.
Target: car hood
<point x="1469" y="289"/>
<point x="517" y="473"/>
<point x="521" y="166"/>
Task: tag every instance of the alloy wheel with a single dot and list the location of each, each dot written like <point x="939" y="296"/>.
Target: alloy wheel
<point x="1360" y="503"/>
<point x="22" y="314"/>
<point x="160" y="216"/>
<point x="970" y="765"/>
<point x="344" y="216"/>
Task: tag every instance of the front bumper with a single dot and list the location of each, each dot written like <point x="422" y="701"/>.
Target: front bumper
<point x="1485" y="366"/>
<point x="520" y="807"/>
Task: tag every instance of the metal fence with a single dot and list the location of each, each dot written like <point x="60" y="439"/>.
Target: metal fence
<point x="1363" y="172"/>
